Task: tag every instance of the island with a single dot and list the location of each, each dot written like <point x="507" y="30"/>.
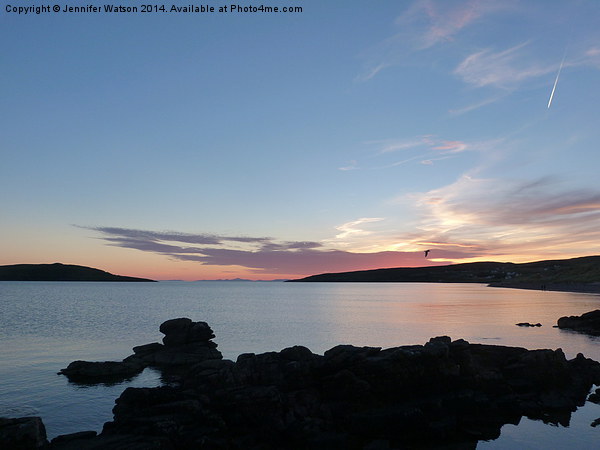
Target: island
<point x="59" y="272"/>
<point x="574" y="275"/>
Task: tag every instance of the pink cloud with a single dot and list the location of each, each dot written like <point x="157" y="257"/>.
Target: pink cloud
<point x="318" y="261"/>
<point x="451" y="146"/>
<point x="269" y="256"/>
<point x="425" y="24"/>
<point x="446" y="19"/>
<point x="524" y="220"/>
<point x="504" y="69"/>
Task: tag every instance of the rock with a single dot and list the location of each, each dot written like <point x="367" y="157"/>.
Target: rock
<point x="527" y="324"/>
<point x="175" y="325"/>
<point x="72" y="437"/>
<point x="23" y="433"/>
<point x="297" y="353"/>
<point x="349" y="354"/>
<point x="185" y="343"/>
<point x="445" y="393"/>
<point x="595" y="397"/>
<point x="106" y="370"/>
<point x="596" y="422"/>
<point x="111" y="442"/>
<point x="185" y="354"/>
<point x="147" y="348"/>
<point x="184" y="331"/>
<point x="586" y="323"/>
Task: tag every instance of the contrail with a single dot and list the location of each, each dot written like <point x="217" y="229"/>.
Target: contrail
<point x="556" y="81"/>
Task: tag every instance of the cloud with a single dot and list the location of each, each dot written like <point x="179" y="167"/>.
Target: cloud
<point x="428" y="148"/>
<point x="441" y="21"/>
<point x="302" y="245"/>
<point x="492" y="202"/>
<point x="351" y="228"/>
<point x="514" y="217"/>
<point x="372" y="72"/>
<point x="427" y="142"/>
<point x="424" y="25"/>
<point x="474" y="106"/>
<point x="351" y="166"/>
<point x="145" y="235"/>
<point x="503" y="69"/>
<point x="451" y="146"/>
<point x="391" y="145"/>
<point x="470" y="219"/>
<point x="317" y="261"/>
<point x="268" y="255"/>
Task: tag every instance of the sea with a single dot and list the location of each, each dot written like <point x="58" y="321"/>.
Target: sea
<point x="46" y="325"/>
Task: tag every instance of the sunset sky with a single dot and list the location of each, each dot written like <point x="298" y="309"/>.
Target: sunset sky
<point x="352" y="135"/>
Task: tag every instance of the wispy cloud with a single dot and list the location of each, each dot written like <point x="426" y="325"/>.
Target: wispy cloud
<point x="475" y="106"/>
<point x="441" y="21"/>
<point x="514" y="217"/>
<point x="316" y="261"/>
<point x="352" y="228"/>
<point x="423" y="25"/>
<point x="394" y="145"/>
<point x="352" y="165"/>
<point x="188" y="238"/>
<point x="451" y="146"/>
<point x="425" y="149"/>
<point x="503" y="69"/>
<point x="267" y="255"/>
<point x="371" y="72"/>
<point x="426" y="142"/>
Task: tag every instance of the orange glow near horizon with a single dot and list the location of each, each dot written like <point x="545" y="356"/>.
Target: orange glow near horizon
<point x="127" y="262"/>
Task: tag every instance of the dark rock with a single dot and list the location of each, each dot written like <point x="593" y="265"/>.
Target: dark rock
<point x="185" y="343"/>
<point x="297" y="353"/>
<point x="595" y="397"/>
<point x="586" y="323"/>
<point x="596" y="422"/>
<point x="63" y="438"/>
<point x="184" y="354"/>
<point x="527" y="324"/>
<point x="444" y="394"/>
<point x="349" y="354"/>
<point x="106" y="370"/>
<point x="147" y="348"/>
<point x="175" y="325"/>
<point x="23" y="433"/>
<point x="113" y="442"/>
<point x="184" y="331"/>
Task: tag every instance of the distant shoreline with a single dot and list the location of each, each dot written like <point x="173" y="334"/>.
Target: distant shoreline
<point x="586" y="288"/>
<point x="60" y="272"/>
<point x="571" y="275"/>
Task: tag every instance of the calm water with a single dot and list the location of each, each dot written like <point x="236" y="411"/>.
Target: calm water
<point x="44" y="326"/>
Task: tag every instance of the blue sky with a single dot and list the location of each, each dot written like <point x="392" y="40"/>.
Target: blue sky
<point x="352" y="135"/>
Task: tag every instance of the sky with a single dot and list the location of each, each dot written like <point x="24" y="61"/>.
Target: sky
<point x="349" y="135"/>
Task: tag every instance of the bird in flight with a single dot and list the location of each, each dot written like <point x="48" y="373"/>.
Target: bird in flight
<point x="427" y="253"/>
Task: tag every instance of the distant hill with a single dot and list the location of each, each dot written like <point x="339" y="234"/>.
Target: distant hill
<point x="577" y="274"/>
<point x="58" y="272"/>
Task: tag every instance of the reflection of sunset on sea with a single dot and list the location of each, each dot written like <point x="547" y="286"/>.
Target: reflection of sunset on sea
<point x="191" y="146"/>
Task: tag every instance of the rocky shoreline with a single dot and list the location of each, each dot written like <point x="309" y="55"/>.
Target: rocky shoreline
<point x="588" y="323"/>
<point x="443" y="394"/>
